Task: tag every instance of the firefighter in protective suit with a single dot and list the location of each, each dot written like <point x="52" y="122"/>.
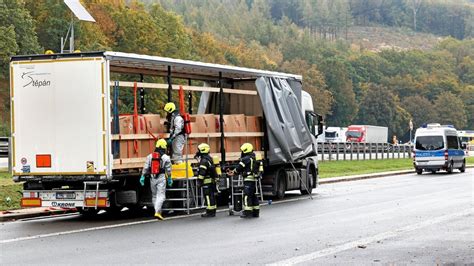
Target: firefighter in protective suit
<point x="207" y="178"/>
<point x="158" y="167"/>
<point x="176" y="139"/>
<point x="248" y="167"/>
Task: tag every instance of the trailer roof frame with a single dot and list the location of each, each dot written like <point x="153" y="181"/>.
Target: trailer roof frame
<point x="157" y="65"/>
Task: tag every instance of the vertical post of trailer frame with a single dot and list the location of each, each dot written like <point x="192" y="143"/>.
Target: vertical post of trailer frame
<point x="221" y="116"/>
<point x="190" y="99"/>
<point x="142" y="97"/>
<point x="170" y="86"/>
<point x="116" y="127"/>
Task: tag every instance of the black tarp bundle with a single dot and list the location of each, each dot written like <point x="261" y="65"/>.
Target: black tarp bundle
<point x="289" y="138"/>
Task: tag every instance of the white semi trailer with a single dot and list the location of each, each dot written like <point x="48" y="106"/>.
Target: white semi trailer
<point x="64" y="124"/>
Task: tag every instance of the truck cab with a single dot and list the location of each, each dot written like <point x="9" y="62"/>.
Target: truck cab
<point x="355" y="134"/>
<point x="367" y="134"/>
<point x="313" y="120"/>
<point x="335" y="134"/>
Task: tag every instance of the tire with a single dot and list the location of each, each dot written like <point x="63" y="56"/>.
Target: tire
<point x="450" y="168"/>
<point x="433" y="172"/>
<point x="463" y="167"/>
<point x="308" y="185"/>
<point x="281" y="185"/>
<point x="136" y="209"/>
<point x="419" y="171"/>
<point x="88" y="212"/>
<point x="114" y="211"/>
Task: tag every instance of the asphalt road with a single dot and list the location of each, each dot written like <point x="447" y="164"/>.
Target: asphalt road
<point x="406" y="219"/>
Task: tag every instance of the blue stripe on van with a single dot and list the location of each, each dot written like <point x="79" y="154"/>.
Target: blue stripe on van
<point x="455" y="152"/>
<point x="439" y="153"/>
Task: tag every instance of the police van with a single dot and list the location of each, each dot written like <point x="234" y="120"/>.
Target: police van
<point x="437" y="147"/>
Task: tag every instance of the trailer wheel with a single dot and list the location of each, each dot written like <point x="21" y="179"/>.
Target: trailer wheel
<point x="88" y="212"/>
<point x="311" y="176"/>
<point x="136" y="209"/>
<point x="281" y="184"/>
<point x="114" y="211"/>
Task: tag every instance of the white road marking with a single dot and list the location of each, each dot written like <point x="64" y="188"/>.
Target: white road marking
<point x="371" y="239"/>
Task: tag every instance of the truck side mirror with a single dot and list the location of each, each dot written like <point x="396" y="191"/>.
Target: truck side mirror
<point x="464" y="146"/>
<point x="320" y="129"/>
<point x="311" y="118"/>
<point x="320" y="118"/>
<point x="320" y="124"/>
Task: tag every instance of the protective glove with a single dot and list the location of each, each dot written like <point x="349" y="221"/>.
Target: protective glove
<point x="170" y="181"/>
<point x="142" y="180"/>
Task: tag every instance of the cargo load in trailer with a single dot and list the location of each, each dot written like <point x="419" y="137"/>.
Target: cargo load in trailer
<point x="73" y="148"/>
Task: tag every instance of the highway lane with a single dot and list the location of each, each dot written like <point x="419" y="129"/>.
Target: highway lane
<point x="397" y="219"/>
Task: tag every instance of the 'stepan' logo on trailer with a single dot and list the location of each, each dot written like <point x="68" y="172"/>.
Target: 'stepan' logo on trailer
<point x="36" y="79"/>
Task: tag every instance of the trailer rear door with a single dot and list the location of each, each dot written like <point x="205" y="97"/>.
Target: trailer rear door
<point x="59" y="115"/>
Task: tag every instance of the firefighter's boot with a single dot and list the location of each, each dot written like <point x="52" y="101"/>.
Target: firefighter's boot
<point x="256" y="213"/>
<point x="159" y="216"/>
<point x="209" y="214"/>
<point x="246" y="214"/>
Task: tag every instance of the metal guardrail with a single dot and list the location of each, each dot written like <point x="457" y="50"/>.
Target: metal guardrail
<point x="362" y="151"/>
<point x="4" y="147"/>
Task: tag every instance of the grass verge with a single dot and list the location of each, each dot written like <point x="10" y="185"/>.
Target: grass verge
<point x="345" y="168"/>
<point x="10" y="192"/>
<point x="469" y="160"/>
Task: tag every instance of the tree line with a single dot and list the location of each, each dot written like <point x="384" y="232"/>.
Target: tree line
<point x="348" y="85"/>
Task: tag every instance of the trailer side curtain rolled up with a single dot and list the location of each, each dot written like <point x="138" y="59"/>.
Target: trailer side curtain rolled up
<point x="289" y="138"/>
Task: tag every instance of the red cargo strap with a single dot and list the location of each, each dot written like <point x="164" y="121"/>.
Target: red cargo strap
<point x="148" y="130"/>
<point x="181" y="100"/>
